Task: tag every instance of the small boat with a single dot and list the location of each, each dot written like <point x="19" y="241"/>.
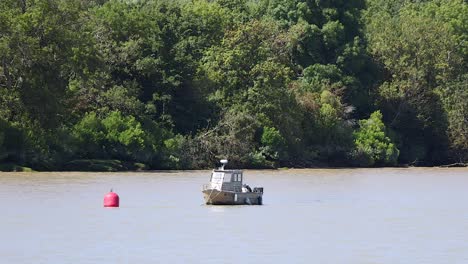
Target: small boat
<point x="226" y="188"/>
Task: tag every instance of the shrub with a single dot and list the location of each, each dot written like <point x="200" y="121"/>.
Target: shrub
<point x="114" y="136"/>
<point x="373" y="147"/>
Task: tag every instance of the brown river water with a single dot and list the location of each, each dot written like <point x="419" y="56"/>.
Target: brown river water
<point x="415" y="215"/>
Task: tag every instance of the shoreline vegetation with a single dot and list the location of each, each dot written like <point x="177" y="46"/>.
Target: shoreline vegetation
<point x="119" y="166"/>
<point x="117" y="85"/>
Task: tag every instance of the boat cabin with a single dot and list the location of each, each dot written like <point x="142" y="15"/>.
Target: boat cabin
<point x="226" y="180"/>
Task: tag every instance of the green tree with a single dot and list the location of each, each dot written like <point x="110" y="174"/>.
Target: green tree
<point x="115" y="137"/>
<point x="420" y="45"/>
<point x="250" y="72"/>
<point x="373" y="147"/>
<point x="455" y="101"/>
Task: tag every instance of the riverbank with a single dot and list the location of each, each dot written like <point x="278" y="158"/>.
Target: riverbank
<point x="14" y="167"/>
<point x="84" y="165"/>
<point x="103" y="165"/>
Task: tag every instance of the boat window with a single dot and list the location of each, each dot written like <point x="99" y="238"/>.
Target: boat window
<point x="236" y="177"/>
<point x="227" y="177"/>
<point x="217" y="177"/>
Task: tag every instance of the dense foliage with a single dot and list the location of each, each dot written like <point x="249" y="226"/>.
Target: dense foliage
<point x="159" y="84"/>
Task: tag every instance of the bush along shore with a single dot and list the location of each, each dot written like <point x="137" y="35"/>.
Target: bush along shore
<point x="110" y="85"/>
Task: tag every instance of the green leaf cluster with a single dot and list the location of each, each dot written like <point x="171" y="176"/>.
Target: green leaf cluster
<point x="373" y="146"/>
<point x="113" y="136"/>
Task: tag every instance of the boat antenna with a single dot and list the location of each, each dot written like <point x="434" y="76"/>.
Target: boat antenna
<point x="223" y="162"/>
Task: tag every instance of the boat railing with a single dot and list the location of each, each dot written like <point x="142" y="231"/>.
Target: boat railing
<point x="210" y="186"/>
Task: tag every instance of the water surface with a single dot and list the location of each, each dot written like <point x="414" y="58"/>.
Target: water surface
<point x="417" y="215"/>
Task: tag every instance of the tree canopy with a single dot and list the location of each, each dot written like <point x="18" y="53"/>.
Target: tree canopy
<point x="165" y="84"/>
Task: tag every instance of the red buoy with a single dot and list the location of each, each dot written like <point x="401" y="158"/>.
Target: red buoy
<point x="111" y="199"/>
